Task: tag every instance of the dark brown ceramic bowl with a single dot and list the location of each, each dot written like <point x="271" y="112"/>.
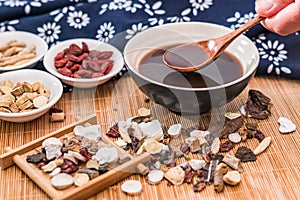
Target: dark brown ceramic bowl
<point x="187" y="100"/>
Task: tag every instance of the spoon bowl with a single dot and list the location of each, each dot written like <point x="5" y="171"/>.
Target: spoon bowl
<point x="191" y="57"/>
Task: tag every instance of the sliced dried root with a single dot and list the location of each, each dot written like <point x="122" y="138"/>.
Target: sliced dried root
<point x="132" y="187"/>
<point x="155" y="176"/>
<point x="153" y="147"/>
<point x="62" y="181"/>
<point x="144" y="112"/>
<point x="81" y="179"/>
<point x="232" y="177"/>
<point x="263" y="145"/>
<point x="235" y="137"/>
<point x="40" y="101"/>
<point x="16" y="53"/>
<point x="175" y="130"/>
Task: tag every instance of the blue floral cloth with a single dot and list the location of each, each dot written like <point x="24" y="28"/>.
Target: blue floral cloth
<point x="116" y="21"/>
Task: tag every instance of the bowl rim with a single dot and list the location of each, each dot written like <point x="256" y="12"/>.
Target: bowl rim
<point x="52" y="70"/>
<point x="56" y="96"/>
<point x="16" y="35"/>
<point x="169" y="27"/>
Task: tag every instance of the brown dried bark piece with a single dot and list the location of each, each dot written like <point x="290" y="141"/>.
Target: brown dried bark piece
<point x="231" y="126"/>
<point x="258" y="105"/>
<point x="226" y="146"/>
<point x="198" y="187"/>
<point x="245" y="154"/>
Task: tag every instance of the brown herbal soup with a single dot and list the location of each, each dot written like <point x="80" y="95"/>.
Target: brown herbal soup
<point x="223" y="70"/>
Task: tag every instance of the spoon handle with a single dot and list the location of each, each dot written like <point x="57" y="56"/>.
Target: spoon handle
<point x="225" y="40"/>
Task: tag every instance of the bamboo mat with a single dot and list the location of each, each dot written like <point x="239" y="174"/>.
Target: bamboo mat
<point x="274" y="175"/>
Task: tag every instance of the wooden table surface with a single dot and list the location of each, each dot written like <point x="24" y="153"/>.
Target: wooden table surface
<point x="274" y="175"/>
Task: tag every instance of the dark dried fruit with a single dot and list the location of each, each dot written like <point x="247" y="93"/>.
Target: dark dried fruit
<point x="189" y="174"/>
<point x="198" y="187"/>
<point x="231" y="126"/>
<point x="258" y="105"/>
<point x="245" y="154"/>
<point x="113" y="131"/>
<point x="36" y="158"/>
<point x="226" y="146"/>
<point x="259" y="135"/>
<point x="84" y="152"/>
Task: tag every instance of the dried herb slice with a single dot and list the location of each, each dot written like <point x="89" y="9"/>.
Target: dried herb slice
<point x="245" y="154"/>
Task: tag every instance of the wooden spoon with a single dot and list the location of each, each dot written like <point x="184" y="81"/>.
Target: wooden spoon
<point x="193" y="56"/>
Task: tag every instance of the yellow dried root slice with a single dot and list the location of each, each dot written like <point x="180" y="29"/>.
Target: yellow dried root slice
<point x="40" y="101"/>
<point x="263" y="145"/>
<point x="7" y="82"/>
<point x="144" y="112"/>
<point x="232" y="115"/>
<point x="27" y="87"/>
<point x="62" y="181"/>
<point x="26" y="105"/>
<point x="81" y="179"/>
<point x="17" y="91"/>
<point x="153" y="147"/>
<point x="44" y="91"/>
<point x="132" y="187"/>
<point x="2" y="109"/>
<point x="7" y="97"/>
<point x="92" y="164"/>
<point x="5" y="103"/>
<point x="232" y="178"/>
<point x="14" y="108"/>
<point x="5" y="89"/>
<point x="36" y="86"/>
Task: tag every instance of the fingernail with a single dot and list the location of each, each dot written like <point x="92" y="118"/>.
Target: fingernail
<point x="264" y="5"/>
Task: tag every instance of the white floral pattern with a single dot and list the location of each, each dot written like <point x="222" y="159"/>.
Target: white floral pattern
<point x="105" y="32"/>
<point x="239" y="20"/>
<point x="8" y="26"/>
<point x="183" y="16"/>
<point x="135" y="29"/>
<point x="26" y="4"/>
<point x="200" y="5"/>
<point x="49" y="32"/>
<point x="78" y="19"/>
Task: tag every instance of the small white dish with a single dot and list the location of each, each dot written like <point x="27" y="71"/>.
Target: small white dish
<point x="31" y="75"/>
<point x="93" y="45"/>
<point x="29" y="38"/>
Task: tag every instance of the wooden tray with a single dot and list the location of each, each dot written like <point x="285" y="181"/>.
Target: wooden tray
<point x="18" y="157"/>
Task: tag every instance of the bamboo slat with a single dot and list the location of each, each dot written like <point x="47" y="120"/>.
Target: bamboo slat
<point x="274" y="175"/>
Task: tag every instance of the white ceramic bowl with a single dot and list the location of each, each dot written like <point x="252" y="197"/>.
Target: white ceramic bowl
<point x="186" y="99"/>
<point x="28" y="38"/>
<point x="32" y="75"/>
<point x="93" y="45"/>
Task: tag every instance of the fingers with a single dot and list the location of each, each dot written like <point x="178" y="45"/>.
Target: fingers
<point x="268" y="8"/>
<point x="283" y="16"/>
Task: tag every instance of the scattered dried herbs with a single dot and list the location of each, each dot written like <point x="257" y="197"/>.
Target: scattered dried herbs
<point x="226" y="146"/>
<point x="113" y="131"/>
<point x="36" y="158"/>
<point x="245" y="154"/>
<point x="259" y="135"/>
<point x="258" y="105"/>
<point x="230" y="126"/>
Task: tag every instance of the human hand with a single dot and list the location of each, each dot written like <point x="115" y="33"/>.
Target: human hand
<point x="283" y="16"/>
